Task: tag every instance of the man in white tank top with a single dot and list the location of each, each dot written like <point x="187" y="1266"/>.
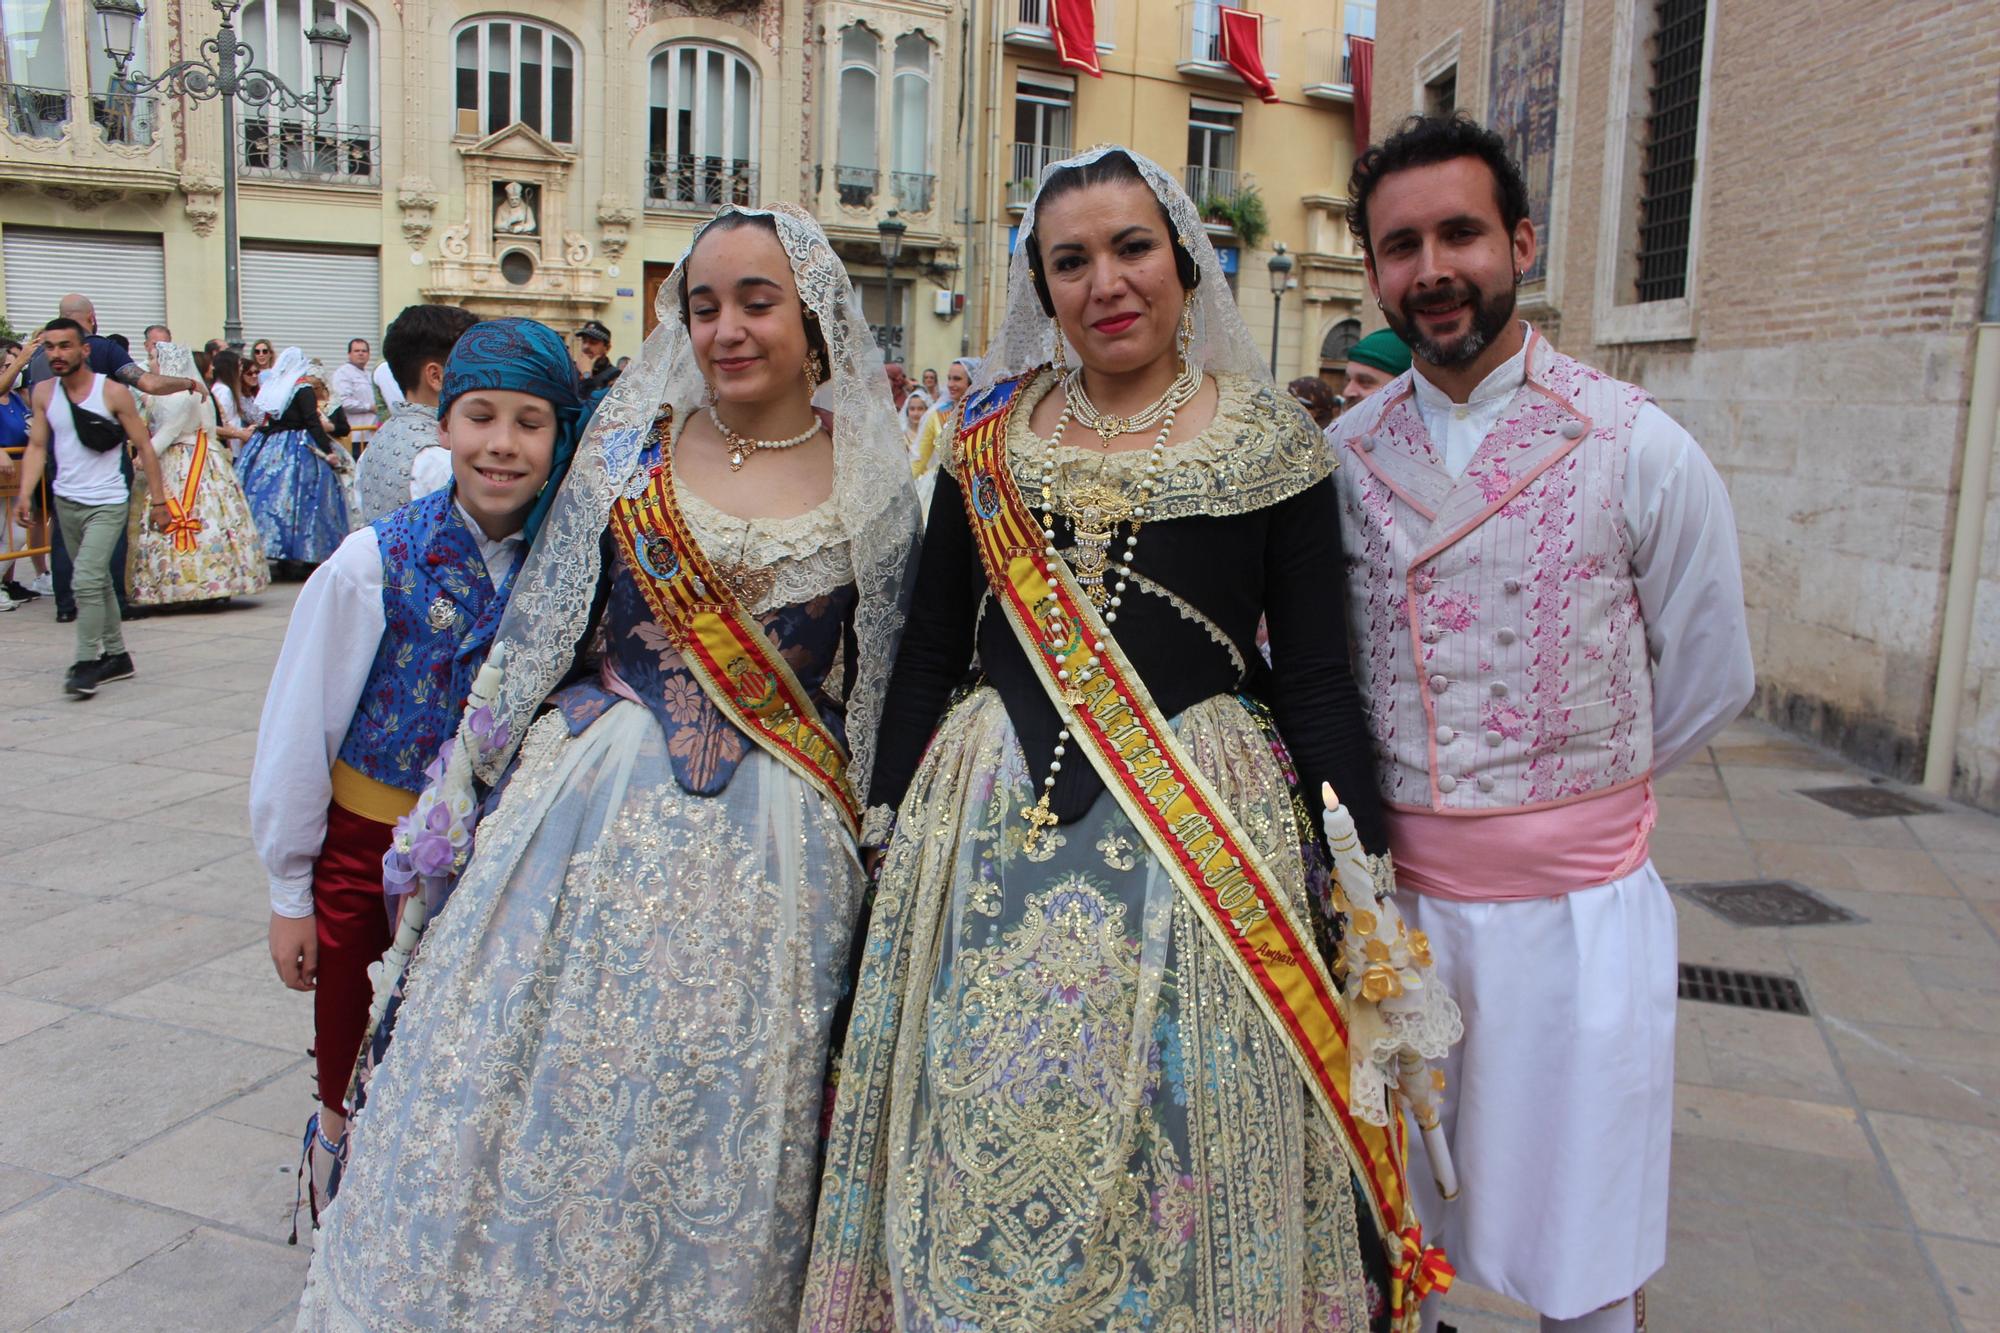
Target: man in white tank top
<point x="92" y="495"/>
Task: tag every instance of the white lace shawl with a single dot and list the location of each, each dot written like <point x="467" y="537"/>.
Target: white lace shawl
<point x="1222" y="341"/>
<point x="550" y="607"/>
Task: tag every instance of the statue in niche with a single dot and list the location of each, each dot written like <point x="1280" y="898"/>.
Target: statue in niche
<point x="514" y="211"/>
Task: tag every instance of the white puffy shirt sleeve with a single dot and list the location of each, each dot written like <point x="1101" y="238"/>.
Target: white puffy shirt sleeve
<point x="431" y="471"/>
<point x="1690" y="582"/>
<point x="329" y="649"/>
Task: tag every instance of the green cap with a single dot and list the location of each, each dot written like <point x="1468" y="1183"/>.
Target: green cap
<point x="1383" y="350"/>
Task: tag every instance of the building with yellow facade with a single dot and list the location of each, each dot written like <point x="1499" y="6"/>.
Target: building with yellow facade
<point x="553" y="160"/>
<point x="1166" y="91"/>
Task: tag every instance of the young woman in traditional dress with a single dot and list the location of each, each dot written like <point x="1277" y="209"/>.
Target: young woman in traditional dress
<point x="288" y="470"/>
<point x="1069" y="1097"/>
<point x="211" y="550"/>
<point x="601" y="1108"/>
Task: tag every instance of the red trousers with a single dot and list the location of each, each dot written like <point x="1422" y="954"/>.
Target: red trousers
<point x="353" y="933"/>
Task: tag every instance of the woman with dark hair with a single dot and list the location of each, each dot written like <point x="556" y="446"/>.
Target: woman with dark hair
<point x="1311" y="393"/>
<point x="1098" y="1073"/>
<point x="601" y="1104"/>
<point x="290" y="471"/>
<point x="232" y="384"/>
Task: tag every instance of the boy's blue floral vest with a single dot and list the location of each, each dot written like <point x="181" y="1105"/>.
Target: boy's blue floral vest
<point x="440" y="611"/>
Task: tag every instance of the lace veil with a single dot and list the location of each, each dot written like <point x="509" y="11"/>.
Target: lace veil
<point x="177" y="416"/>
<point x="1222" y="341"/>
<point x="549" y="611"/>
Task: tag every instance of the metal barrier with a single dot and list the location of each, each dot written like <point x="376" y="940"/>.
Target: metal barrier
<point x="10" y="532"/>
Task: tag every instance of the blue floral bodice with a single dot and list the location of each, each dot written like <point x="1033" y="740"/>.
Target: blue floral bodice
<point x="794" y="578"/>
<point x="440" y="611"/>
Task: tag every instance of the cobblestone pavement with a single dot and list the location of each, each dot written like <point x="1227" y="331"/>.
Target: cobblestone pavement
<point x="1833" y="1172"/>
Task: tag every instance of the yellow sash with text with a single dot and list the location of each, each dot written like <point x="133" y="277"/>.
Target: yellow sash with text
<point x="1109" y="710"/>
<point x="723" y="646"/>
<point x="182" y="526"/>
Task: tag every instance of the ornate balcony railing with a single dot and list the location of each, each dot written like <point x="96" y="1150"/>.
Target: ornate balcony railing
<point x="310" y="150"/>
<point x="34" y="113"/>
<point x="856" y="185"/>
<point x="1029" y="161"/>
<point x="699" y="182"/>
<point x="914" y="190"/>
<point x="123" y="118"/>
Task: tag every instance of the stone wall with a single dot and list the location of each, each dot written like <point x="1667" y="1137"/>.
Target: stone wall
<point x="1844" y="231"/>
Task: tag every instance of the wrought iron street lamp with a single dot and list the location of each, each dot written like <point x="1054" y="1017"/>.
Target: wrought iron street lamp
<point x="1280" y="265"/>
<point x="227" y="73"/>
<point x="891" y="229"/>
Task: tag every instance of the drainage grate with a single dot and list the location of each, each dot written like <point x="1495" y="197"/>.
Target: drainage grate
<point x="1869" y="802"/>
<point x="1766" y="902"/>
<point x="1743" y="990"/>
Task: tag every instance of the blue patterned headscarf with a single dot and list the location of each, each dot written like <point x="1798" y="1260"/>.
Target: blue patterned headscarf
<point x="530" y="358"/>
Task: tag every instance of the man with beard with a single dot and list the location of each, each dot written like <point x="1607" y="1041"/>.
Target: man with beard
<point x="1547" y="609"/>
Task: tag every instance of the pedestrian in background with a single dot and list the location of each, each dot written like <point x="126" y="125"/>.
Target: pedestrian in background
<point x="355" y="390"/>
<point x="85" y="421"/>
<point x="406" y="460"/>
<point x="1312" y="393"/>
<point x="288" y="473"/>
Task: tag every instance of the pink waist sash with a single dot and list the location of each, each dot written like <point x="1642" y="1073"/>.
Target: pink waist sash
<point x="1507" y="855"/>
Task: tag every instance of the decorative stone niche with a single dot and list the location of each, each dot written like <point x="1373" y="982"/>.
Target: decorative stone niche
<point x="512" y="255"/>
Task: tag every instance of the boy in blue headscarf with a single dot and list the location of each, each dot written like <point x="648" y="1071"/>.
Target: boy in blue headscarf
<point x="380" y="654"/>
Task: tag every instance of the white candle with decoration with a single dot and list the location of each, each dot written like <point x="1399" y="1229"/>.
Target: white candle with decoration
<point x="1385" y="966"/>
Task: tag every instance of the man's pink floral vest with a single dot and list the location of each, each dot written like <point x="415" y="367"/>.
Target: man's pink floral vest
<point x="1499" y="641"/>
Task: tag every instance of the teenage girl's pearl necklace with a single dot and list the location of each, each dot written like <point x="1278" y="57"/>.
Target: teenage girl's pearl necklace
<point x="741" y="448"/>
<point x="1039" y="816"/>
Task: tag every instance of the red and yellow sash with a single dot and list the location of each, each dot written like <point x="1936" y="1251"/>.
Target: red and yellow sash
<point x="722" y="645"/>
<point x="1108" y="708"/>
<point x="182" y="525"/>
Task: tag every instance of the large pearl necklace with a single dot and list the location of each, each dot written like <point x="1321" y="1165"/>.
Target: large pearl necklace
<point x="1039" y="816"/>
<point x="1185" y="386"/>
<point x="740" y="448"/>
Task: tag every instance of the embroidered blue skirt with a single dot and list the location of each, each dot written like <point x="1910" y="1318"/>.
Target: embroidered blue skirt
<point x="295" y="499"/>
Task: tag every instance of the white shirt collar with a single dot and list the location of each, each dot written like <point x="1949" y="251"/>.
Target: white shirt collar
<point x="1503" y="382"/>
<point x="498" y="555"/>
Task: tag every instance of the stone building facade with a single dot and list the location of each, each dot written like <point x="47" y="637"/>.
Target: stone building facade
<point x="1782" y="224"/>
<point x="549" y="160"/>
<point x="608" y="129"/>
<point x="1165" y="91"/>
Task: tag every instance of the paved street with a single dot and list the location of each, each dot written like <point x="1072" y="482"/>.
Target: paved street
<point x="1837" y="1172"/>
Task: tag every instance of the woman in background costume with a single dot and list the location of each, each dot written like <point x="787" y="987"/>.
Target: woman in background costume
<point x="289" y="469"/>
<point x="211" y="549"/>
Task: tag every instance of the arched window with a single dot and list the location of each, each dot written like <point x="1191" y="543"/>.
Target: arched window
<point x="702" y="128"/>
<point x="912" y="123"/>
<point x="855" y="170"/>
<point x="513" y="71"/>
<point x="1340" y="340"/>
<point x="345" y="144"/>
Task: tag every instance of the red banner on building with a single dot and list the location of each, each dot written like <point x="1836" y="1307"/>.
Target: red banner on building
<point x="1361" y="74"/>
<point x="1073" y="25"/>
<point x="1242" y="46"/>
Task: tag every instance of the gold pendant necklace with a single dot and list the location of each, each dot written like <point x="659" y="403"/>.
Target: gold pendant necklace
<point x="1186" y="384"/>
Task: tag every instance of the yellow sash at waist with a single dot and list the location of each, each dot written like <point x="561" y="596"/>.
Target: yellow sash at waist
<point x="357" y="793"/>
